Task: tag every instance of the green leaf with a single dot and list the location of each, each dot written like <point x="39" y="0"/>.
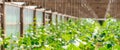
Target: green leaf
<point x="73" y="47"/>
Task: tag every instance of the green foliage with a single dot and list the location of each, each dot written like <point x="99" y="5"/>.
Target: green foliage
<point x="84" y="34"/>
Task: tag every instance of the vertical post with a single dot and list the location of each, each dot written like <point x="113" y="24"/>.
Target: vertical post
<point x="67" y="18"/>
<point x="50" y="17"/>
<point x="21" y="22"/>
<point x="3" y="23"/>
<point x="44" y="17"/>
<point x="56" y="19"/>
<point x="60" y="18"/>
<point x="34" y="21"/>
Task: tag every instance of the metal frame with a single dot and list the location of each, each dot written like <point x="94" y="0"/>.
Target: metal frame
<point x="34" y="21"/>
<point x="3" y="23"/>
<point x="21" y="22"/>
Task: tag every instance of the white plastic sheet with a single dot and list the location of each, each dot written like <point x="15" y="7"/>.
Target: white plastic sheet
<point x="27" y="18"/>
<point x="12" y="30"/>
<point x="39" y="18"/>
<point x="62" y="18"/>
<point x="54" y="18"/>
<point x="12" y="18"/>
<point x="58" y="18"/>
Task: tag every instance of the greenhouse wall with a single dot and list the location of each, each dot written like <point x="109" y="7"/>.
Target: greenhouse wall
<point x="13" y="18"/>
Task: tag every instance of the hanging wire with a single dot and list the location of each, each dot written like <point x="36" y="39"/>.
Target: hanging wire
<point x="55" y="6"/>
<point x="78" y="2"/>
<point x="117" y="12"/>
<point x="82" y="6"/>
<point x="77" y="12"/>
<point x="44" y="4"/>
<point x="77" y="8"/>
<point x="70" y="7"/>
<point x="80" y="12"/>
<point x="108" y="7"/>
<point x="73" y="8"/>
<point x="62" y="6"/>
<point x="90" y="10"/>
<point x="65" y="6"/>
<point x="116" y="8"/>
<point x="79" y="15"/>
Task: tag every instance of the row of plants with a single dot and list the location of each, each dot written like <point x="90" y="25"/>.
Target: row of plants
<point x="83" y="34"/>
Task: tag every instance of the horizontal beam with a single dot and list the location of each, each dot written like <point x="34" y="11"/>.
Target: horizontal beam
<point x="16" y="4"/>
<point x="41" y="9"/>
<point x="30" y="7"/>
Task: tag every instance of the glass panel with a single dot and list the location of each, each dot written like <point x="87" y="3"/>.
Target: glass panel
<point x="47" y="19"/>
<point x="65" y="19"/>
<point x="47" y="24"/>
<point x="12" y="30"/>
<point x="58" y="18"/>
<point x="12" y="14"/>
<point x="62" y="18"/>
<point x="26" y="27"/>
<point x="39" y="16"/>
<point x="28" y="17"/>
<point x="54" y="19"/>
<point x="12" y="20"/>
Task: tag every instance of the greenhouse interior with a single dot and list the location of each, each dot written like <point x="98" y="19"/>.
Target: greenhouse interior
<point x="59" y="24"/>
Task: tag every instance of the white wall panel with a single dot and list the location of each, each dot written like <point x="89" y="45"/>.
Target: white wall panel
<point x="27" y="17"/>
<point x="12" y="18"/>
